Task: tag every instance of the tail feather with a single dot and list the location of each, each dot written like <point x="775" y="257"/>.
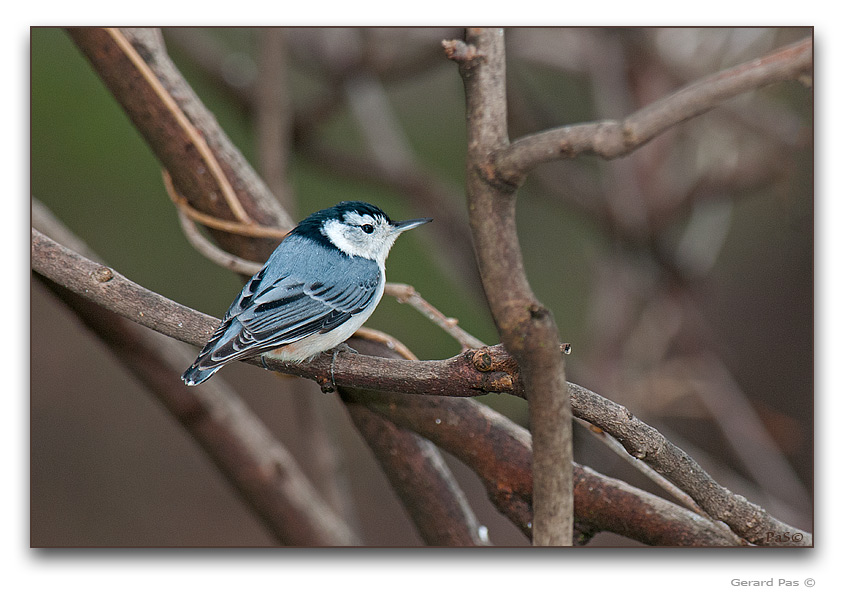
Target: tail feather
<point x="195" y="374"/>
<point x="208" y="362"/>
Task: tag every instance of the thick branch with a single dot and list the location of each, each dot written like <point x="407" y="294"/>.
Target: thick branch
<point x="487" y="442"/>
<point x="420" y="477"/>
<point x="611" y="139"/>
<point x="135" y="67"/>
<point x="479" y="372"/>
<point x="526" y="327"/>
<point x="216" y="418"/>
<point x="500" y="453"/>
<point x="642" y="441"/>
<point x="259" y="467"/>
<point x="488" y="369"/>
<point x="203" y="164"/>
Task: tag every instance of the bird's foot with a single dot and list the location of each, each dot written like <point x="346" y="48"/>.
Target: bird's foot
<point x="329" y="384"/>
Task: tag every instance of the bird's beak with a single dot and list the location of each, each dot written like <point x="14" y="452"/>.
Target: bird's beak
<point x="409" y="224"/>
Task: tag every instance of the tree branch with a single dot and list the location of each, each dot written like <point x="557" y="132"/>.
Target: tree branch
<point x="418" y="474"/>
<point x="274" y="113"/>
<point x="195" y="152"/>
<point x="611" y="139"/>
<point x="259" y="468"/>
<point x="526" y="327"/>
<point x="488" y="369"/>
<point x="200" y="159"/>
<point x="474" y="372"/>
<point x="500" y="453"/>
<point x="184" y="135"/>
<point x="642" y="441"/>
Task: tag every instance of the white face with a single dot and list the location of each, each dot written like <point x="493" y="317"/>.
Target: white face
<point x="362" y="235"/>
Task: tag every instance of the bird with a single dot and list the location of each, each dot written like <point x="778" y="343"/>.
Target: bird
<point x="319" y="286"/>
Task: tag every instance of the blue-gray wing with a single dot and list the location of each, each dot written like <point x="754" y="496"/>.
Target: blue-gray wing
<point x="290" y="309"/>
<point x="302" y="290"/>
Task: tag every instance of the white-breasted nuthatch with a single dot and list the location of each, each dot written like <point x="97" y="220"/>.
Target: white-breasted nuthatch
<point x="319" y="286"/>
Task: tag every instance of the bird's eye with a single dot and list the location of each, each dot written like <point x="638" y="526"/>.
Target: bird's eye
<point x="367" y="228"/>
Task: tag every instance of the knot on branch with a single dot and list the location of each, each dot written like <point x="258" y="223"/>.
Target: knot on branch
<point x="492" y="358"/>
<point x="491" y="173"/>
<point x="482" y="360"/>
<point x="326" y="386"/>
<point x="612" y="139"/>
<point x="538" y="311"/>
<point x="500" y="371"/>
<point x="461" y="52"/>
<point x="103" y="274"/>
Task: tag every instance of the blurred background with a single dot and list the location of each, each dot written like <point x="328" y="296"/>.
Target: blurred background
<point x="682" y="275"/>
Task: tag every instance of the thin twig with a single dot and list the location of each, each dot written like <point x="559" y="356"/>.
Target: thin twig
<point x="611" y="139"/>
<point x="385" y="339"/>
<point x="610" y="442"/>
<point x="409" y="295"/>
<point x="212" y="252"/>
<point x="243" y="229"/>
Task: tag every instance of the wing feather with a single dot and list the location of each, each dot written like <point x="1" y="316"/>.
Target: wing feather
<point x="286" y="313"/>
<point x="300" y="291"/>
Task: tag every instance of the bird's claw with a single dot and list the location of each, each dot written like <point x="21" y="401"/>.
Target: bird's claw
<point x="329" y="385"/>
